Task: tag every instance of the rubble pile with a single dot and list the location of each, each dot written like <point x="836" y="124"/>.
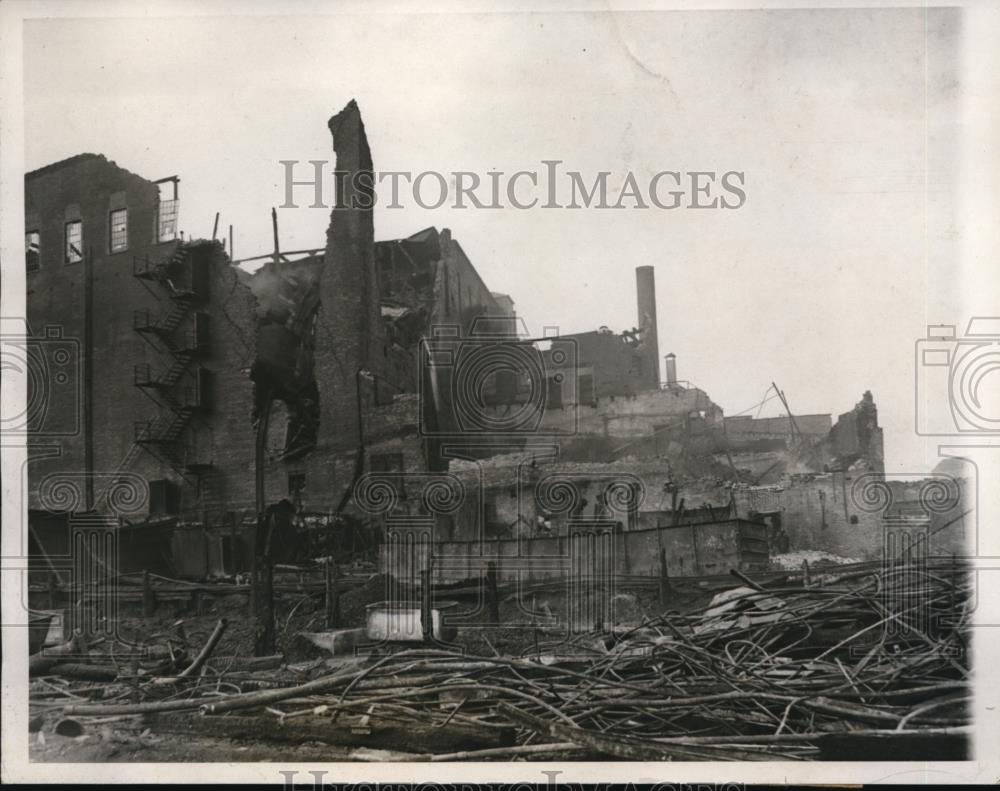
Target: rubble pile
<point x="814" y="557"/>
<point x="872" y="658"/>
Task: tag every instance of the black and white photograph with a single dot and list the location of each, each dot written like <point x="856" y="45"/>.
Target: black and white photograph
<point x="572" y="391"/>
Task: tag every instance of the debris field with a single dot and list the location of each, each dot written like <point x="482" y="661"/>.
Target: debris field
<point x="866" y="661"/>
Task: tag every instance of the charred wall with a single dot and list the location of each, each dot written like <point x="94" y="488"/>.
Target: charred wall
<point x="856" y="437"/>
<point x="371" y="305"/>
<point x="220" y="443"/>
<point x="81" y="313"/>
<point x="827" y="512"/>
<point x="163" y="333"/>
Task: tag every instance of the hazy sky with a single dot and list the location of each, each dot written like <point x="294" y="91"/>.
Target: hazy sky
<point x="846" y="124"/>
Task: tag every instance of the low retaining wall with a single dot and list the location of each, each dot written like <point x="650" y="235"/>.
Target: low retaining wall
<point x="588" y="552"/>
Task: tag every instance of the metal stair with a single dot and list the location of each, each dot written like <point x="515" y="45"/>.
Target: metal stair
<point x="164" y="436"/>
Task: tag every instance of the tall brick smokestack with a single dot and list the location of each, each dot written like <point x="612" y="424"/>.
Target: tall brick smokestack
<point x="645" y="285"/>
<point x="349" y="327"/>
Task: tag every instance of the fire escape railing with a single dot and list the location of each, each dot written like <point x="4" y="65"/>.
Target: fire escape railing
<point x="165" y="436"/>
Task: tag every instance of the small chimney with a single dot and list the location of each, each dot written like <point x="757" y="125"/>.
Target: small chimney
<point x="645" y="285"/>
<point x="671" y="365"/>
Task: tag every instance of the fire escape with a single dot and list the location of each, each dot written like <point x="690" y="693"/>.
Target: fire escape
<point x="180" y="335"/>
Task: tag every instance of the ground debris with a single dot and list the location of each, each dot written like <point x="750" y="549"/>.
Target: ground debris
<point x="873" y="655"/>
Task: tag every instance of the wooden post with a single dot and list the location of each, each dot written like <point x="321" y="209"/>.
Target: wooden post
<point x="664" y="580"/>
<point x="806" y="577"/>
<point x="491" y="592"/>
<point x="332" y="595"/>
<point x="205" y="546"/>
<point x="615" y="535"/>
<point x="133" y="669"/>
<point x="215" y="226"/>
<point x="234" y="543"/>
<point x="694" y="549"/>
<point x="148" y="597"/>
<point x="265" y="629"/>
<point x="426" y="615"/>
<point x="253" y="587"/>
<point x="263" y="566"/>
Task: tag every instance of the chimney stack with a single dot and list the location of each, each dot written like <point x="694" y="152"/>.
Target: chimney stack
<point x="671" y="365"/>
<point x="645" y="285"/>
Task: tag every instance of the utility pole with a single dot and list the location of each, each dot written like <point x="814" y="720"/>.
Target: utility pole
<point x="796" y="434"/>
<point x="274" y="226"/>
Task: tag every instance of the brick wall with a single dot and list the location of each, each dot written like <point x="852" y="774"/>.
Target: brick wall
<point x="690" y="551"/>
<point x="224" y="436"/>
<point x="220" y="438"/>
<point x="88" y="188"/>
<point x="829" y="512"/>
<point x="645" y="422"/>
<point x="744" y="428"/>
<point x="460" y="295"/>
<point x="366" y="385"/>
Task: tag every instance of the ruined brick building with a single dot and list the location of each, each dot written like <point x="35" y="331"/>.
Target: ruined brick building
<point x="161" y="361"/>
<point x="172" y="353"/>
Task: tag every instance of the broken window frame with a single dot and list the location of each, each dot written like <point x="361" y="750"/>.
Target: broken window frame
<point x="296" y="484"/>
<point x="167" y="210"/>
<point x="164" y="498"/>
<point x="32" y="251"/>
<point x="117" y="237"/>
<point x="73" y="248"/>
<point x="227" y="554"/>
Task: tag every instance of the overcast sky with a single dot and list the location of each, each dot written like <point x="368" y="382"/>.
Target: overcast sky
<point x="846" y="123"/>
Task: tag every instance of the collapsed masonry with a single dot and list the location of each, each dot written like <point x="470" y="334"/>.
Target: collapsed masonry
<point x="385" y="362"/>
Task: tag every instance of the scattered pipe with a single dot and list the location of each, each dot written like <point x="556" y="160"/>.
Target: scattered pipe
<point x="44" y="660"/>
<point x="69" y="727"/>
<point x="207" y="650"/>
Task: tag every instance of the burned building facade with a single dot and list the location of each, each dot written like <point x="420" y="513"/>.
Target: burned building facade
<point x="174" y="356"/>
<point x="147" y="338"/>
<point x="86" y="220"/>
<point x="145" y="319"/>
<point x="225" y="387"/>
